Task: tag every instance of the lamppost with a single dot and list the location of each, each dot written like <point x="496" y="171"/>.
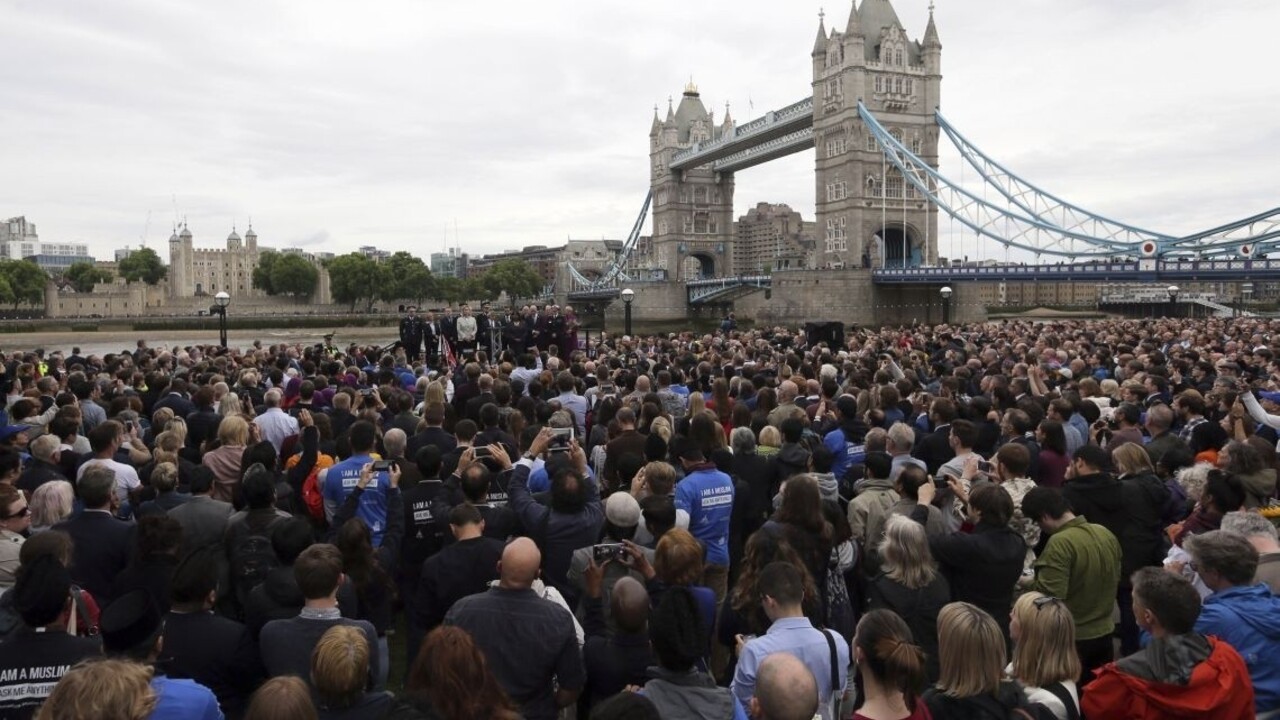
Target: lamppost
<point x="945" y="292"/>
<point x="221" y="301"/>
<point x="1246" y="295"/>
<point x="627" y="296"/>
<point x="1173" y="299"/>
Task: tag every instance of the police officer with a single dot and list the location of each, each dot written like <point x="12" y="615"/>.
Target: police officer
<point x="411" y="334"/>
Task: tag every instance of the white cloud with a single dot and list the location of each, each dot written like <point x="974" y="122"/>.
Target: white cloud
<point x="339" y="125"/>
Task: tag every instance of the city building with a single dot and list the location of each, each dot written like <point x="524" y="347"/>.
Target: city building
<point x="374" y="253"/>
<point x="19" y="241"/>
<point x="772" y="237"/>
<point x="451" y="263"/>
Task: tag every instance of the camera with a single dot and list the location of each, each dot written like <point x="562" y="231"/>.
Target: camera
<point x="481" y="451"/>
<point x="608" y="551"/>
<point x="379" y="465"/>
<point x="561" y="438"/>
<point x="987" y="467"/>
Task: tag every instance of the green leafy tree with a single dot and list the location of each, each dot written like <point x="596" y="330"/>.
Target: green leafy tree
<point x="293" y="275"/>
<point x="143" y="264"/>
<point x="449" y="289"/>
<point x="513" y="276"/>
<point x="262" y="273"/>
<point x="407" y="278"/>
<point x="352" y="278"/>
<point x="6" y="291"/>
<point x="477" y="289"/>
<point x="84" y="275"/>
<point x="26" y="281"/>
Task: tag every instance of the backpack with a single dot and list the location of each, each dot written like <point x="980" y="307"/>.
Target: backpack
<point x="252" y="558"/>
<point x="312" y="495"/>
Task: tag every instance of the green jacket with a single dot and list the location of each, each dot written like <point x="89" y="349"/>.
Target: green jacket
<point x="1081" y="566"/>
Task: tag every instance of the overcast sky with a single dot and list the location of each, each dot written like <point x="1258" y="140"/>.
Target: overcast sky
<point x="337" y="124"/>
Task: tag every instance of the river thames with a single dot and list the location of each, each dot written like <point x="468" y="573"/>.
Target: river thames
<point x="113" y="341"/>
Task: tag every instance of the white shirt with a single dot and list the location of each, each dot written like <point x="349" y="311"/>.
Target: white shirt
<point x="276" y="425"/>
<point x="126" y="477"/>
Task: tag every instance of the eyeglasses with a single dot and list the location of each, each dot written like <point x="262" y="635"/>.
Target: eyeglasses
<point x="1040" y="602"/>
<point x="25" y="511"/>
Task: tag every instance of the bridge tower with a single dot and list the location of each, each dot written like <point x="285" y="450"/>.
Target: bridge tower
<point x="867" y="214"/>
<point x="692" y="209"/>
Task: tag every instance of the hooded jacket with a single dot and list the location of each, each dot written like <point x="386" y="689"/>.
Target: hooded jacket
<point x="1259" y="488"/>
<point x="1129" y="508"/>
<point x="690" y="696"/>
<point x="982" y="707"/>
<point x="1248" y="618"/>
<point x="1182" y="676"/>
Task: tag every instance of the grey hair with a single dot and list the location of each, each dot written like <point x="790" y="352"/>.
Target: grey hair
<point x="1194" y="478"/>
<point x="876" y="440"/>
<point x="1249" y="524"/>
<point x="394" y="440"/>
<point x="902" y="436"/>
<point x="561" y="419"/>
<point x="742" y="440"/>
<point x="904" y="553"/>
<point x="1229" y="554"/>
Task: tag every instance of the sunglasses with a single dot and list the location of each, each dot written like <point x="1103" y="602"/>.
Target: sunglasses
<point x="1040" y="602"/>
<point x="25" y="511"/>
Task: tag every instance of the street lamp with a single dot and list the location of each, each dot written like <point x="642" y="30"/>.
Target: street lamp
<point x="627" y="296"/>
<point x="1173" y="299"/>
<point x="221" y="301"/>
<point x="945" y="292"/>
<point x="1246" y="294"/>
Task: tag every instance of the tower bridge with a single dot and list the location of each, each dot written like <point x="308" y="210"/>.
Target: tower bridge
<point x="873" y="114"/>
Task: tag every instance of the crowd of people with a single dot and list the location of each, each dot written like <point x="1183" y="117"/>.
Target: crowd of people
<point x="1001" y="520"/>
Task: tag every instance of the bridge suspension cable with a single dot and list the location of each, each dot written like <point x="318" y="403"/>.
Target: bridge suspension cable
<point x="983" y="217"/>
<point x="616" y="270"/>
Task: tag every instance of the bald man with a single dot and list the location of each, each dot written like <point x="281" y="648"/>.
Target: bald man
<point x="615" y="660"/>
<point x="785" y="690"/>
<point x="527" y="641"/>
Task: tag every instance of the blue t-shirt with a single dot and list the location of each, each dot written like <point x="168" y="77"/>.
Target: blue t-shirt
<point x="707" y="495"/>
<point x="183" y="700"/>
<point x="845" y="454"/>
<point x="342" y="478"/>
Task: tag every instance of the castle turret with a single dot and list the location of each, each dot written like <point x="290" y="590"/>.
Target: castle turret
<point x="233" y="240"/>
<point x="251" y="240"/>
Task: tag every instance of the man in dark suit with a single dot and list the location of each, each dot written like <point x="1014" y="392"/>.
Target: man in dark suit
<point x="102" y="542"/>
<point x="484" y="396"/>
<point x="175" y="398"/>
<point x="628" y="441"/>
<point x="203" y="519"/>
<point x="411" y="334"/>
<point x="934" y="449"/>
<point x="434" y="434"/>
<point x="430" y="339"/>
<point x="448" y="326"/>
<point x="202" y="424"/>
<point x="200" y="645"/>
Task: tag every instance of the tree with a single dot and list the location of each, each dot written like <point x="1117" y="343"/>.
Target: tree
<point x="476" y="289"/>
<point x="6" y="291"/>
<point x="352" y="278"/>
<point x="143" y="264"/>
<point x="293" y="275"/>
<point x="84" y="275"/>
<point x="262" y="273"/>
<point x="449" y="289"/>
<point x="513" y="276"/>
<point x="26" y="282"/>
<point x="407" y="277"/>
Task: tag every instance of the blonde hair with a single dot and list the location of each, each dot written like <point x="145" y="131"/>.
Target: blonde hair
<point x="168" y="443"/>
<point x="101" y="688"/>
<point x="971" y="651"/>
<point x="233" y="430"/>
<point x="177" y="425"/>
<point x="52" y="503"/>
<point x="661" y="427"/>
<point x="770" y="436"/>
<point x="230" y="405"/>
<point x="904" y="553"/>
<point x="340" y="665"/>
<point x="696" y="404"/>
<point x="282" y="698"/>
<point x="1046" y="649"/>
<point x="1131" y="458"/>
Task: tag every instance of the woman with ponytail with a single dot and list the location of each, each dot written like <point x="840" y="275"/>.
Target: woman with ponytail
<point x="891" y="668"/>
